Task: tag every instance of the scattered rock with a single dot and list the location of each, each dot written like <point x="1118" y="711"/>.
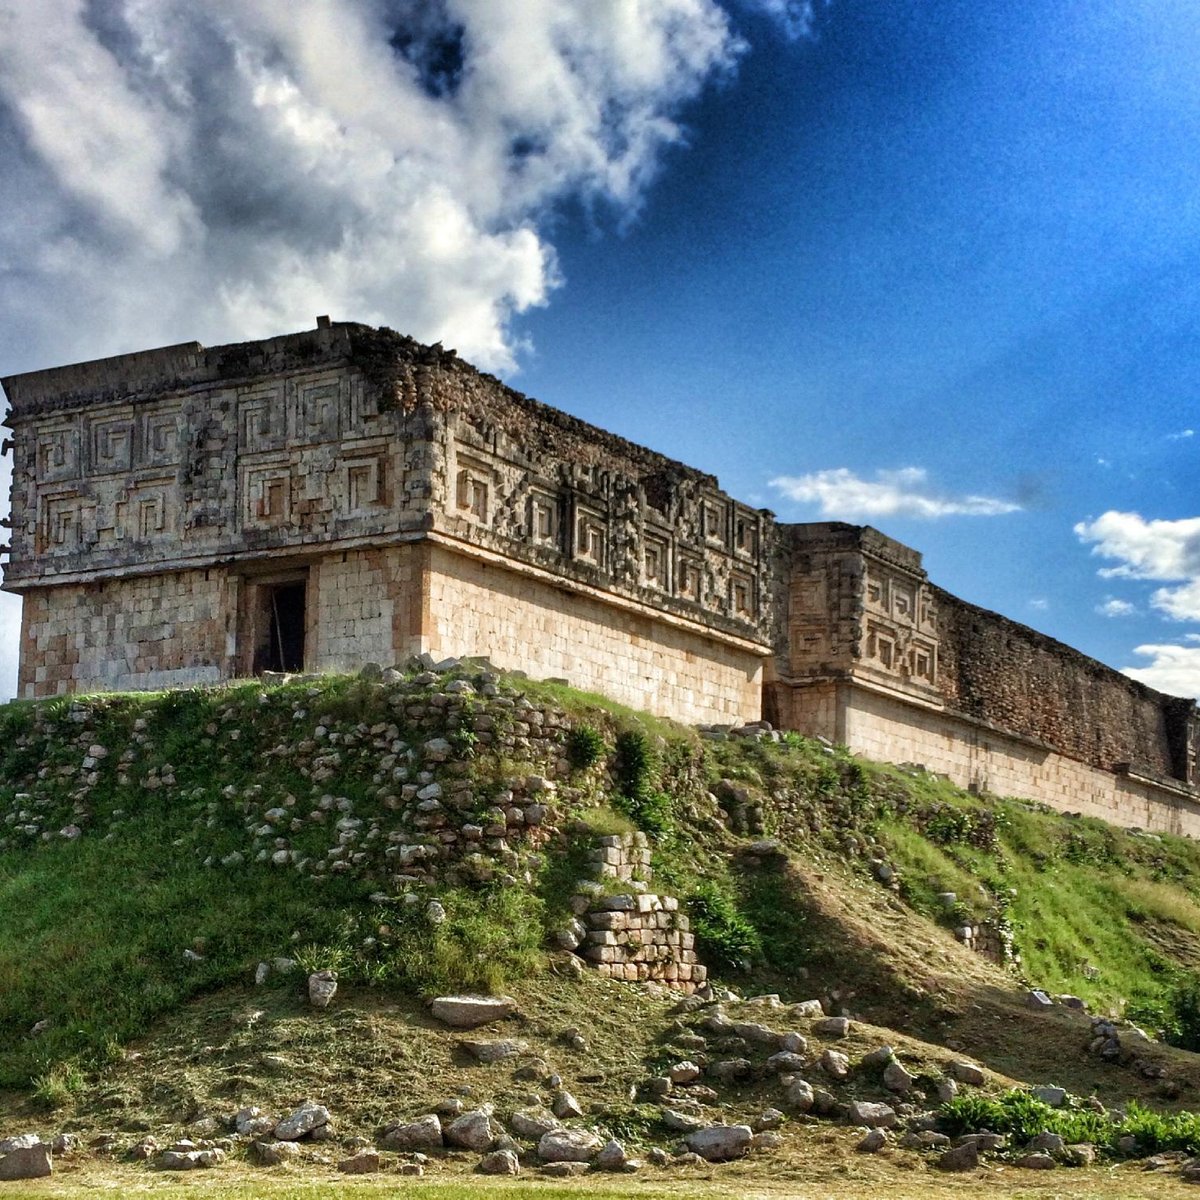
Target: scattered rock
<point x="961" y="1158"/>
<point x="533" y="1123"/>
<point x="719" y="1143"/>
<point x="1038" y="1001"/>
<point x="1082" y="1154"/>
<point x="872" y="1115"/>
<point x="684" y="1072"/>
<point x="568" y="1145"/>
<point x="1037" y="1162"/>
<point x="474" y="1130"/>
<point x="873" y="1142"/>
<point x="966" y="1072"/>
<point x="835" y="1064"/>
<point x="274" y="1154"/>
<point x="807" y="1009"/>
<point x="837" y="1027"/>
<point x="425" y="1133"/>
<point x="309" y="1117"/>
<point x="1049" y="1143"/>
<point x="27" y="1162"/>
<point x="896" y="1078"/>
<point x="183" y="1160"/>
<point x="565" y="1106"/>
<point x="321" y="988"/>
<point x="469" y="1012"/>
<point x="499" y="1162"/>
<point x="563" y="1170"/>
<point x="253" y="1122"/>
<point x="611" y="1157"/>
<point x="493" y="1052"/>
<point x="800" y="1095"/>
<point x="365" y="1162"/>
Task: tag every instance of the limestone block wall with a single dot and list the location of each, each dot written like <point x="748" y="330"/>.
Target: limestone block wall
<point x="367" y="607"/>
<point x="522" y="622"/>
<point x="1012" y="676"/>
<point x="154" y="631"/>
<point x="891" y="729"/>
<point x="636" y="935"/>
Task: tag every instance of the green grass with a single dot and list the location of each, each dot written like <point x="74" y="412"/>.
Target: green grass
<point x="1021" y="1116"/>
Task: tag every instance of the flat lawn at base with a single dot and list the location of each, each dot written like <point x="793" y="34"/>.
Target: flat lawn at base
<point x="874" y="1179"/>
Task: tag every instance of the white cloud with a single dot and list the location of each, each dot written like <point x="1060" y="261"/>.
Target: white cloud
<point x="906" y="492"/>
<point x="1181" y="435"/>
<point x="797" y="17"/>
<point x="230" y="169"/>
<point x="1040" y="603"/>
<point x="1168" y="551"/>
<point x="1111" y="606"/>
<point x="1173" y="669"/>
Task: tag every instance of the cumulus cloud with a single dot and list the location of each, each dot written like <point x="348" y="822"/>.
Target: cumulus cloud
<point x="1111" y="606"/>
<point x="841" y="494"/>
<point x="1168" y="551"/>
<point x="1181" y="435"/>
<point x="1173" y="669"/>
<point x="230" y="169"/>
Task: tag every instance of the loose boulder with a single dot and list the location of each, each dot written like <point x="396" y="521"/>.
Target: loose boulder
<point x="27" y="1162"/>
<point x="719" y="1143"/>
<point x="309" y="1117"/>
<point x="568" y="1145"/>
<point x="425" y="1133"/>
<point x="469" y="1012"/>
<point x="474" y="1130"/>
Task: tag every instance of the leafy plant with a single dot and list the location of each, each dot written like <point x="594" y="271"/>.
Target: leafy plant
<point x="585" y="747"/>
<point x="636" y="764"/>
<point x="724" y="937"/>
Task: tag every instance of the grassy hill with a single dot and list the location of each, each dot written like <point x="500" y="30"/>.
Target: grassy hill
<point x="427" y="834"/>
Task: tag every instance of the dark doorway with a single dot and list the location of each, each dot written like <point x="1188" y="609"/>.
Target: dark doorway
<point x="284" y="645"/>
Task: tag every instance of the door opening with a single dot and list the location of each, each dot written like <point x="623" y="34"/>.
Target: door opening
<point x="281" y="642"/>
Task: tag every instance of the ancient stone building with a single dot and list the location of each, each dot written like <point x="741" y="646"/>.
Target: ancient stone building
<point x="342" y="495"/>
<point x="315" y="501"/>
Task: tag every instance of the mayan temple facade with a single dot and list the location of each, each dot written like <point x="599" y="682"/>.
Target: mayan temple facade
<point x="343" y="495"/>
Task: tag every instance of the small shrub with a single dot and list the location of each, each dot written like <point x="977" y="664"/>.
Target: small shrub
<point x="58" y="1086"/>
<point x="585" y="747"/>
<point x="650" y="808"/>
<point x="724" y="936"/>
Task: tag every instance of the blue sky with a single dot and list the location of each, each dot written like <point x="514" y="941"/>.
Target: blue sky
<point x="929" y="266"/>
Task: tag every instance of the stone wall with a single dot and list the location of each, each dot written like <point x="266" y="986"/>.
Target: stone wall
<point x="635" y="935"/>
<point x="148" y="632"/>
<point x="532" y="624"/>
<point x="892" y="729"/>
<point x="1011" y="676"/>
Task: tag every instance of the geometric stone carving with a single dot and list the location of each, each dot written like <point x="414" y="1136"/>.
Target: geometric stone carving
<point x="689" y="578"/>
<point x="61" y="531"/>
<point x="473" y="489"/>
<point x="362" y="484"/>
<point x="110" y="443"/>
<point x="656" y="558"/>
<point x="318" y="409"/>
<point x="713" y="522"/>
<point x="261" y="419"/>
<point x="741" y="595"/>
<point x="57" y="454"/>
<point x="589" y="535"/>
<point x="543" y="522"/>
<point x="158" y="441"/>
<point x="267" y="495"/>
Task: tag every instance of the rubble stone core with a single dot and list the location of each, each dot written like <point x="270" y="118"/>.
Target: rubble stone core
<point x="341" y="495"/>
